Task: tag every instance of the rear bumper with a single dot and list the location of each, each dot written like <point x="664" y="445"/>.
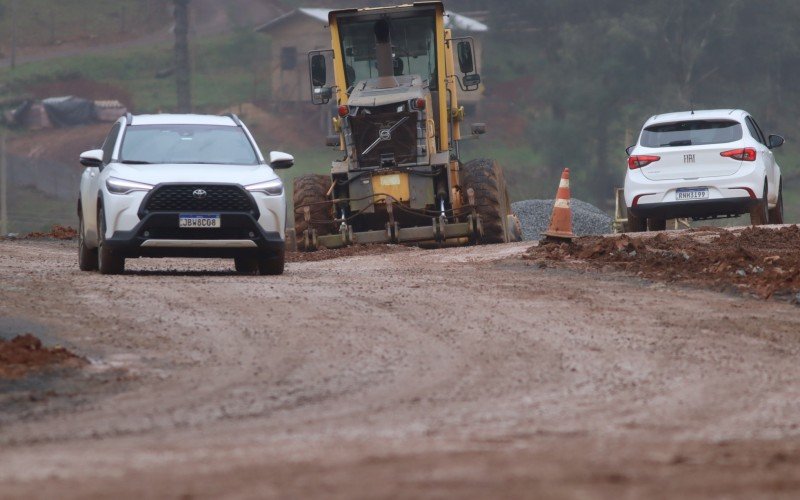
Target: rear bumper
<point x="158" y="235"/>
<point x="694" y="209"/>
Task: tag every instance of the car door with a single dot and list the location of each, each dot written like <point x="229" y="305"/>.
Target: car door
<point x="768" y="156"/>
<point x="90" y="185"/>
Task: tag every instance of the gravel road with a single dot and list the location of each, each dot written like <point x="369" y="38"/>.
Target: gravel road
<point x="451" y="373"/>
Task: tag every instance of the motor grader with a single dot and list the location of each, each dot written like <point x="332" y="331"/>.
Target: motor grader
<point x="401" y="180"/>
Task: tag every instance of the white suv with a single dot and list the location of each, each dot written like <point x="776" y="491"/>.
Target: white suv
<point x="181" y="186"/>
<point x="702" y="165"/>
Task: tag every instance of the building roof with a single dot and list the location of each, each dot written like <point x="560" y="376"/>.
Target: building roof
<point x="454" y="21"/>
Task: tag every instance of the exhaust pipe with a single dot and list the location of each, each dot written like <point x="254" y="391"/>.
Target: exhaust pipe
<point x="383" y="52"/>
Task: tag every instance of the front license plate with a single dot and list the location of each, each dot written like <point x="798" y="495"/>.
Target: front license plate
<point x="200" y="221"/>
<point x="692" y="194"/>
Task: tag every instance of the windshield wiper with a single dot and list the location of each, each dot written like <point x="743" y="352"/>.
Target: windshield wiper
<point x="135" y="162"/>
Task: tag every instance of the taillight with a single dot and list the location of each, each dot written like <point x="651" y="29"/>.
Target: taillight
<point x="640" y="161"/>
<point x="344" y="110"/>
<point x="744" y="154"/>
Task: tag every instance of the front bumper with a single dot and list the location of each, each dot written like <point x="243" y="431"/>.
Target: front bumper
<point x="158" y="235"/>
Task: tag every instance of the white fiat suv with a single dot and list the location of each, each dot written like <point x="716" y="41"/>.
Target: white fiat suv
<point x="181" y="186"/>
<point x="703" y="165"/>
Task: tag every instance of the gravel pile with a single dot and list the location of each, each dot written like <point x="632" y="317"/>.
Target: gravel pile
<point x="534" y="215"/>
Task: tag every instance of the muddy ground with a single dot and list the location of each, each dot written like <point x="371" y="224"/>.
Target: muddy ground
<point x="467" y="373"/>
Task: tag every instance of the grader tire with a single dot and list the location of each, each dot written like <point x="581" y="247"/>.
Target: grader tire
<point x="311" y="190"/>
<point x="485" y="177"/>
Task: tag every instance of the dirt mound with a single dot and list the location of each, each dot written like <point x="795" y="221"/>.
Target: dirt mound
<point x="63" y="145"/>
<point x="761" y="261"/>
<point x="58" y="232"/>
<point x="25" y="353"/>
<point x="327" y="254"/>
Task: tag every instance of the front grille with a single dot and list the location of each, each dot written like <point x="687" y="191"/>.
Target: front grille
<point x="181" y="198"/>
<point x="401" y="143"/>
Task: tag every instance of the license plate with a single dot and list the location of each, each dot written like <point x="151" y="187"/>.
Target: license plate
<point x="692" y="194"/>
<point x="200" y="221"/>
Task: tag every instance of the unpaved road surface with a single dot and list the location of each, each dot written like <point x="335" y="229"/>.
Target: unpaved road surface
<point x="463" y="373"/>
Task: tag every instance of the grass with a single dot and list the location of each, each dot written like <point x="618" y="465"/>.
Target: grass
<point x="226" y="70"/>
<point x="31" y="210"/>
<point x="49" y="22"/>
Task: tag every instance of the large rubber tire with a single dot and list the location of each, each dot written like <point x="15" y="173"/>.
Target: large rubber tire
<point x="272" y="265"/>
<point x="485" y="177"/>
<point x="87" y="257"/>
<point x="107" y="261"/>
<point x="635" y="224"/>
<point x="759" y="215"/>
<point x="776" y="214"/>
<point x="657" y="224"/>
<point x="311" y="190"/>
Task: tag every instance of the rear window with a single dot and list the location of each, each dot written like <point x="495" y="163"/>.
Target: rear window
<point x="691" y="133"/>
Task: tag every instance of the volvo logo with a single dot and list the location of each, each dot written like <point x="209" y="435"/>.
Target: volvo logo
<point x="385" y="134"/>
<point x="199" y="194"/>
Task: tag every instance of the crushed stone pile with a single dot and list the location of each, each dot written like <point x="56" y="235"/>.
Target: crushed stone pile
<point x="534" y="215"/>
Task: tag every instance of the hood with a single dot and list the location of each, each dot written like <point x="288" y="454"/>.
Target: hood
<point x="192" y="173"/>
<point x="368" y="92"/>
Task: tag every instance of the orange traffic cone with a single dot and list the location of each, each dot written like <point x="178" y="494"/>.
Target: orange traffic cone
<point x="561" y="221"/>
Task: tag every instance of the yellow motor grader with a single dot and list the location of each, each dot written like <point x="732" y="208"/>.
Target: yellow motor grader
<point x="401" y="180"/>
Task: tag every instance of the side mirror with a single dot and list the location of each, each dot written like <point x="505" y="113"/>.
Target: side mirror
<point x="319" y="71"/>
<point x="333" y="141"/>
<point x="478" y="128"/>
<point x="471" y="82"/>
<point x="280" y="161"/>
<point x="466" y="61"/>
<point x="775" y="141"/>
<point x="93" y="158"/>
<point x="629" y="150"/>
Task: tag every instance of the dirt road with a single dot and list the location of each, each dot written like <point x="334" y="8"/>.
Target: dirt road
<point x="453" y="373"/>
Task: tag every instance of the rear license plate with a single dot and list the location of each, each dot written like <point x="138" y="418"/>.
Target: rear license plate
<point x="692" y="194"/>
<point x="200" y="221"/>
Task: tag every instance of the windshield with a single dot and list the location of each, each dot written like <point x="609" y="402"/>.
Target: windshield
<point x="187" y="144"/>
<point x="691" y="133"/>
<point x="413" y="47"/>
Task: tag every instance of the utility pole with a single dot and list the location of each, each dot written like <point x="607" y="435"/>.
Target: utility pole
<point x="182" y="66"/>
<point x="14" y="8"/>
<point x="3" y="185"/>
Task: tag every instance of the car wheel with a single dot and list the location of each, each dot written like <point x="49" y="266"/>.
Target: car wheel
<point x="635" y="224"/>
<point x="246" y="265"/>
<point x="776" y="214"/>
<point x="657" y="224"/>
<point x="758" y="213"/>
<point x="107" y="261"/>
<point x="87" y="257"/>
<point x="272" y="265"/>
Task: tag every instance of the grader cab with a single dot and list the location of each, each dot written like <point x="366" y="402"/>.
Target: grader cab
<point x="393" y="74"/>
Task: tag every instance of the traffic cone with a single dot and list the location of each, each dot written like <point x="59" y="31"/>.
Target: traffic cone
<point x="561" y="220"/>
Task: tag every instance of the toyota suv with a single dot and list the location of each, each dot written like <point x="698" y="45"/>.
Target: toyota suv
<point x="181" y="186"/>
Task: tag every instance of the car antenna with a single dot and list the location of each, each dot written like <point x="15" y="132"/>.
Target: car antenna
<point x="691" y="106"/>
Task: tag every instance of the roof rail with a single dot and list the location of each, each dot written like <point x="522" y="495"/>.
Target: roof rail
<point x="128" y="119"/>
<point x="235" y="118"/>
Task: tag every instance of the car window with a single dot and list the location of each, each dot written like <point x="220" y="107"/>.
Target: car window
<point x="691" y="133"/>
<point x="108" y="145"/>
<point x="761" y="137"/>
<point x="215" y="144"/>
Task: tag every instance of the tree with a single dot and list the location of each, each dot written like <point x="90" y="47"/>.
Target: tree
<point x="183" y="77"/>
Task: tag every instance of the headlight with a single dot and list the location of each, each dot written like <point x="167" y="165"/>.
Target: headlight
<point x="270" y="188"/>
<point x="120" y="186"/>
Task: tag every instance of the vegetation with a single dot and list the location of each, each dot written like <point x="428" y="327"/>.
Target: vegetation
<point x="602" y="67"/>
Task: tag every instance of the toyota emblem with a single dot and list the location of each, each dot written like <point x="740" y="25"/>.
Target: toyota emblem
<point x="199" y="194"/>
